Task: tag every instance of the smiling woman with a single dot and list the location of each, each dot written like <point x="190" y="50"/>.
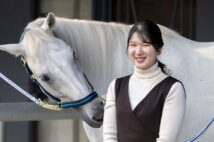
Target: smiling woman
<point x="148" y="105"/>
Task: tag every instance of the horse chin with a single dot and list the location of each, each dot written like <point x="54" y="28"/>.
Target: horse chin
<point x="93" y="122"/>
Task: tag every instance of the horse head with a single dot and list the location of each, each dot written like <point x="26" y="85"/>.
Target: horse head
<point x="55" y="66"/>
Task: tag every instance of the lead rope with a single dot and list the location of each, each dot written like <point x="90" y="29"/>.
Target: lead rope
<point x="201" y="132"/>
<point x="46" y="105"/>
<point x="29" y="96"/>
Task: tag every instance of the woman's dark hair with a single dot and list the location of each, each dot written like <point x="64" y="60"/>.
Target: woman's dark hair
<point x="149" y="33"/>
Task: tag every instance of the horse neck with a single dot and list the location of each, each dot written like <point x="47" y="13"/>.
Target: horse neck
<point x="100" y="47"/>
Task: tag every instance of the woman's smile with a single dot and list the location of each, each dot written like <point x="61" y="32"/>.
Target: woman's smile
<point x="140" y="59"/>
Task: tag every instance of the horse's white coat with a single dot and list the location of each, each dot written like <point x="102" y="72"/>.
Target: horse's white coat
<point x="101" y="49"/>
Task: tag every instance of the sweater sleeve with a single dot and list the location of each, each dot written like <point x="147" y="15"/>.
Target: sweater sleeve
<point x="109" y="122"/>
<point x="173" y="113"/>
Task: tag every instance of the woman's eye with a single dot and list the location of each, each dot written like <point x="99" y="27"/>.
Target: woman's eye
<point x="146" y="45"/>
<point x="132" y="45"/>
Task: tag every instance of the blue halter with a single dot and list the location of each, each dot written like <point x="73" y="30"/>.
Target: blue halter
<point x="80" y="102"/>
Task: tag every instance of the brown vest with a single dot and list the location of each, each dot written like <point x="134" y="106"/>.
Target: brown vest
<point x="141" y="124"/>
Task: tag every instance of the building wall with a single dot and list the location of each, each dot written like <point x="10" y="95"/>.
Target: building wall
<point x="80" y="9"/>
<point x="205" y="20"/>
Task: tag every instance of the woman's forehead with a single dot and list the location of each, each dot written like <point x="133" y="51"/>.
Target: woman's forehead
<point x="137" y="37"/>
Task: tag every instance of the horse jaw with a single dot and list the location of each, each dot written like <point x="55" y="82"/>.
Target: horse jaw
<point x="49" y="23"/>
<point x="14" y="49"/>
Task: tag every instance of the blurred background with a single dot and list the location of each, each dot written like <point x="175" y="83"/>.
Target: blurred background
<point x="191" y="18"/>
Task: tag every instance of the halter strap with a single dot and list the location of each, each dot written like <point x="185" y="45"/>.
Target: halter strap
<point x="83" y="101"/>
<point x="80" y="102"/>
<point x="34" y="80"/>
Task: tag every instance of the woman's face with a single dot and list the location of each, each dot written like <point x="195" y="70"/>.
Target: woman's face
<point x="142" y="55"/>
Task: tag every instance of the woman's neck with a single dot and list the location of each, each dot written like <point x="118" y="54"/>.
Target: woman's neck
<point x="147" y="73"/>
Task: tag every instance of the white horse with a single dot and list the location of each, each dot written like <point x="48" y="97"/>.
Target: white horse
<point x="56" y="48"/>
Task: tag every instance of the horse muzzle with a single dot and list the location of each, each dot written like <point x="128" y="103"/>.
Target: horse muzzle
<point x="95" y="119"/>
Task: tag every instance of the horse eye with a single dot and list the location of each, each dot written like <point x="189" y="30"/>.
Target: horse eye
<point x="74" y="54"/>
<point x="45" y="77"/>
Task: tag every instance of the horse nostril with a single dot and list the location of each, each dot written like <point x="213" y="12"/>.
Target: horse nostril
<point x="98" y="119"/>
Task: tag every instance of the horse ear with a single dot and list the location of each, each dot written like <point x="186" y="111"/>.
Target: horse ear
<point x="49" y="22"/>
<point x="14" y="49"/>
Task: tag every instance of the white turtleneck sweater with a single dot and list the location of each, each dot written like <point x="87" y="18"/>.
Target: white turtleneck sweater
<point x="173" y="110"/>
